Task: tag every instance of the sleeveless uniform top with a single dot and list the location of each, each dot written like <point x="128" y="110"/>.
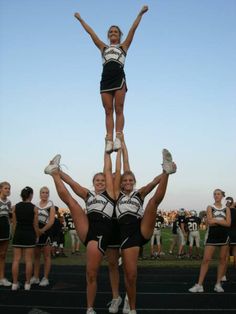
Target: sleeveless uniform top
<point x="129" y="208"/>
<point x="44" y="213"/>
<point x="5" y="211"/>
<point x="218" y="213"/>
<point x="24" y="212"/>
<point x="113" y="60"/>
<point x="99" y="206"/>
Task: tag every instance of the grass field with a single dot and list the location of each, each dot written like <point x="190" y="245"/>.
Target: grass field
<point x="165" y="261"/>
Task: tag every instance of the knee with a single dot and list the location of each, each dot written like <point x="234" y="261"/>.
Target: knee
<point x="91" y="276"/>
<point x="131" y="278"/>
<point x="119" y="108"/>
<point x="108" y="110"/>
<point x="113" y="265"/>
<point x="206" y="261"/>
<point x="2" y="255"/>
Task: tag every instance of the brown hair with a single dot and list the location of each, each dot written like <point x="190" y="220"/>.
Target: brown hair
<point x="128" y="173"/>
<point x="219" y="190"/>
<point x="119" y="30"/>
<point x="2" y="184"/>
<point x="98" y="174"/>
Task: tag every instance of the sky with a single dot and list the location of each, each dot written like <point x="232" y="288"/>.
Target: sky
<point x="181" y="78"/>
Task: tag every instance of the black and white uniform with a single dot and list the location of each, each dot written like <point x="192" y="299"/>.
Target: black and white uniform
<point x="71" y="227"/>
<point x="232" y="230"/>
<point x="43" y="217"/>
<point x="24" y="236"/>
<point x="129" y="212"/>
<point x="114" y="241"/>
<point x="193" y="225"/>
<point x="113" y="75"/>
<point x="157" y="230"/>
<point x="181" y="238"/>
<point x="99" y="209"/>
<point x="218" y="235"/>
<point x="5" y="212"/>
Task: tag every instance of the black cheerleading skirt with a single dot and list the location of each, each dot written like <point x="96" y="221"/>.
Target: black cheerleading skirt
<point x="217" y="236"/>
<point x="24" y="238"/>
<point x="113" y="77"/>
<point x="5" y="233"/>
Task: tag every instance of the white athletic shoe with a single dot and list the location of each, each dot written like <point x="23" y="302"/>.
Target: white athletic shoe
<point x="126" y="308"/>
<point x="15" y="286"/>
<point x="90" y="311"/>
<point x="50" y="168"/>
<point x="44" y="282"/>
<point x="224" y="279"/>
<point x="27" y="286"/>
<point x="218" y="288"/>
<point x="4" y="282"/>
<point x="132" y="312"/>
<point x="168" y="164"/>
<point x="109" y="146"/>
<point x="56" y="160"/>
<point x="115" y="303"/>
<point x="34" y="281"/>
<point x="117" y="144"/>
<point x="196" y="288"/>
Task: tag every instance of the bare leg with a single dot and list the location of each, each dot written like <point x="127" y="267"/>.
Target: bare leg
<point x="222" y="262"/>
<point x="47" y="260"/>
<point x="113" y="265"/>
<point x="37" y="254"/>
<point x="3" y="253"/>
<point x="119" y="108"/>
<point x="130" y="259"/>
<point x="28" y="263"/>
<point x="107" y="100"/>
<point x="79" y="217"/>
<point x="94" y="258"/>
<point x="149" y="218"/>
<point x="208" y="253"/>
<point x="15" y="264"/>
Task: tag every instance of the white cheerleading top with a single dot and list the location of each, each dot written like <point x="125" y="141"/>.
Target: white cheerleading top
<point x="131" y="204"/>
<point x="113" y="53"/>
<point x="5" y="208"/>
<point x="44" y="212"/>
<point x="101" y="204"/>
<point x="218" y="213"/>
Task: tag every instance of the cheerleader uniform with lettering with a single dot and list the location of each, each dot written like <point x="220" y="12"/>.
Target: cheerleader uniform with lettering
<point x="113" y="75"/>
<point x="24" y="236"/>
<point x="99" y="209"/>
<point x="129" y="212"/>
<point x="218" y="235"/>
<point x="43" y="217"/>
<point x="5" y="212"/>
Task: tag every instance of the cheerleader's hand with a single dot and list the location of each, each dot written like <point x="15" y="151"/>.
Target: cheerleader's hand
<point x="77" y="15"/>
<point x="144" y="9"/>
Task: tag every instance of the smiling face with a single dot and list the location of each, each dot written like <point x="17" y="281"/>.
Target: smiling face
<point x="99" y="182"/>
<point x="114" y="35"/>
<point x="128" y="182"/>
<point x="44" y="194"/>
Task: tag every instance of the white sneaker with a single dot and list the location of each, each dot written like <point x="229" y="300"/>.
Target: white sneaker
<point x="109" y="146"/>
<point x="196" y="288"/>
<point x="218" y="288"/>
<point x="56" y="160"/>
<point x="115" y="303"/>
<point x="34" y="281"/>
<point x="224" y="279"/>
<point x="15" y="286"/>
<point x="132" y="312"/>
<point x="90" y="311"/>
<point x="44" y="282"/>
<point x="126" y="308"/>
<point x="117" y="144"/>
<point x="4" y="282"/>
<point x="168" y="164"/>
<point x="50" y="168"/>
<point x="27" y="286"/>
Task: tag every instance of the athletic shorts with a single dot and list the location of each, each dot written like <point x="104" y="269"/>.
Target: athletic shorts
<point x="217" y="236"/>
<point x="114" y="241"/>
<point x="100" y="231"/>
<point x="131" y="235"/>
<point x="194" y="236"/>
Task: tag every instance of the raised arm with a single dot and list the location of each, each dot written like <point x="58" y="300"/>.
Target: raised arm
<point x="125" y="155"/>
<point x="117" y="179"/>
<point x="108" y="174"/>
<point x="100" y="44"/>
<point x="126" y="43"/>
<point x="145" y="190"/>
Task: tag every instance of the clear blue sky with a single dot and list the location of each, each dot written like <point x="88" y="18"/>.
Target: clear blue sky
<point x="181" y="76"/>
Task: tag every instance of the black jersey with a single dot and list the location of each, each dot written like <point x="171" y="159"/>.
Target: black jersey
<point x="159" y="223"/>
<point x="193" y="223"/>
<point x="180" y="220"/>
<point x="69" y="222"/>
<point x="129" y="207"/>
<point x="99" y="206"/>
<point x="175" y="226"/>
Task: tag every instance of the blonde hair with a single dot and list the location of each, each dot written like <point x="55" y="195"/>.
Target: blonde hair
<point x="44" y="188"/>
<point x="2" y="184"/>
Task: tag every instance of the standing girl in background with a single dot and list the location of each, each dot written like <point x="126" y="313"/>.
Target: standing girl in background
<point x="46" y="217"/>
<point x="113" y="83"/>
<point x="218" y="220"/>
<point x="25" y="228"/>
<point x="5" y="211"/>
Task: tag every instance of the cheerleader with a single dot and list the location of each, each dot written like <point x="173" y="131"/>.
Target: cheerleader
<point x="113" y="83"/>
<point x="5" y="212"/>
<point x="46" y="217"/>
<point x="25" y="229"/>
<point x="94" y="226"/>
<point x="218" y="220"/>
